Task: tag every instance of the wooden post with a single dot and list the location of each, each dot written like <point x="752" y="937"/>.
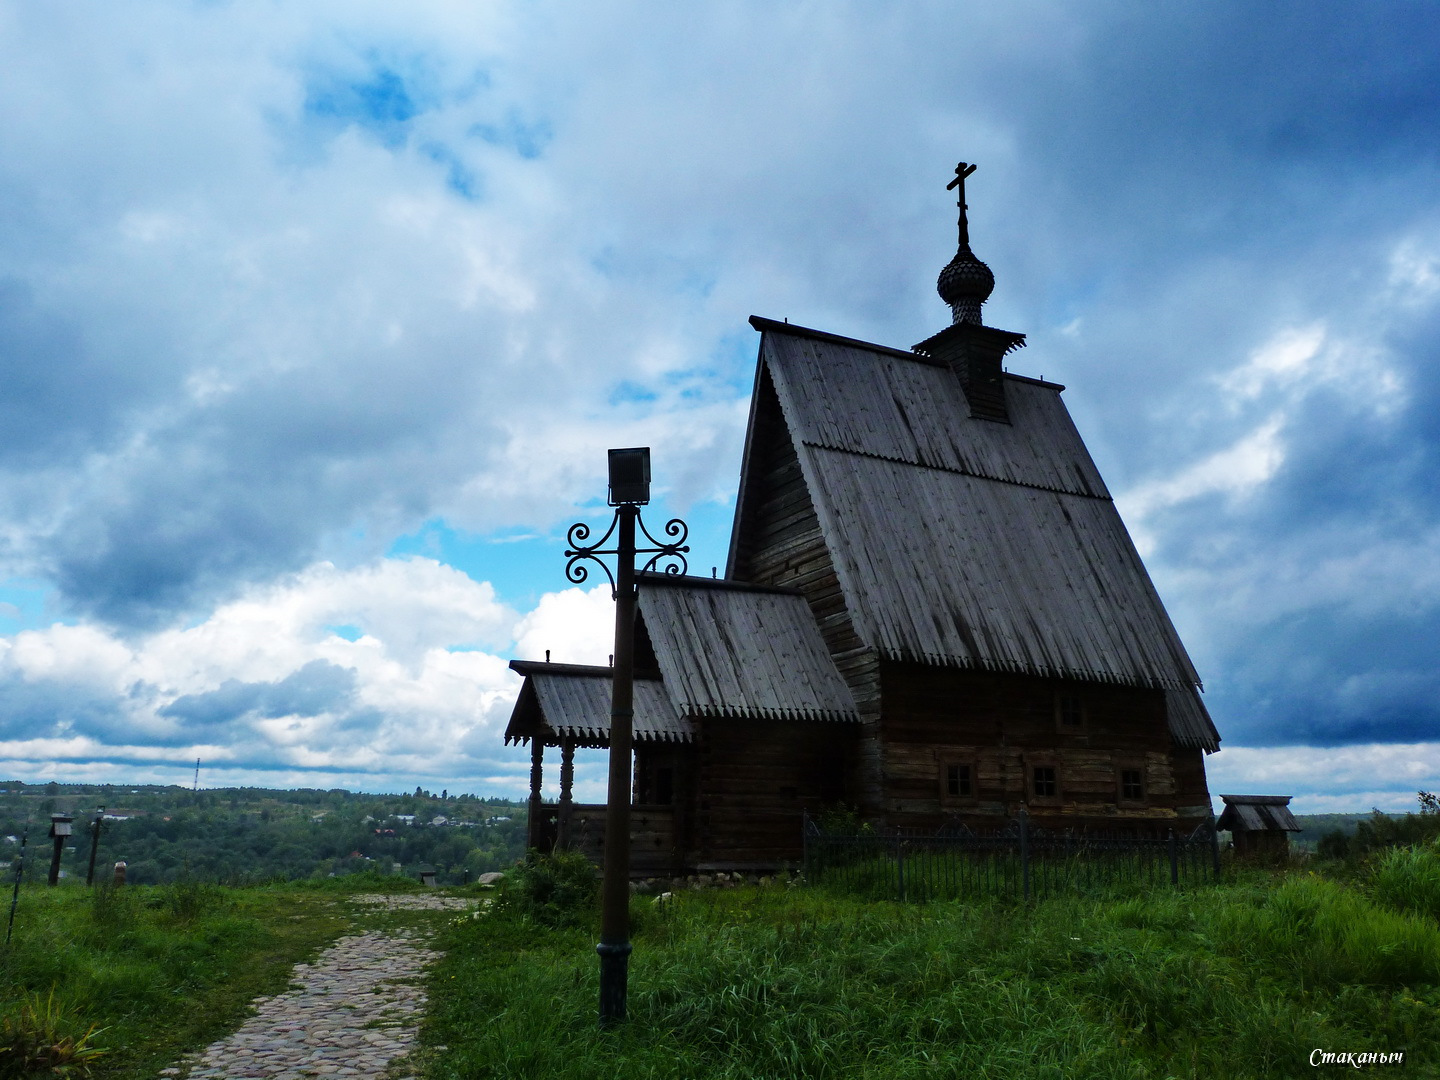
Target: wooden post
<point x="94" y="845"/>
<point x="614" y="948"/>
<point x="1215" y="846"/>
<point x="120" y="872"/>
<point x="537" y="763"/>
<point x="567" y="798"/>
<point x="19" y="872"/>
<point x="60" y="832"/>
<point x="1174" y="858"/>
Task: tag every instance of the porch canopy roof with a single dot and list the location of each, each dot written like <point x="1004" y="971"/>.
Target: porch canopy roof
<point x="736" y="650"/>
<point x="562" y="703"/>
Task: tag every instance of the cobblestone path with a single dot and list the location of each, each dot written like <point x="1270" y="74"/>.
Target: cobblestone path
<point x="351" y="1013"/>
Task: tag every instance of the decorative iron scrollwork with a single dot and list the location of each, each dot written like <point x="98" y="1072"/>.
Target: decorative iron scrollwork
<point x="665" y="557"/>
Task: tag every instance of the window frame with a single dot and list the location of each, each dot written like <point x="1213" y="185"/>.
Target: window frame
<point x="1131" y="765"/>
<point x="966" y="761"/>
<point x="1044" y="761"/>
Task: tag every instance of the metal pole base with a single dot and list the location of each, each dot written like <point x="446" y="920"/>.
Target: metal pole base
<point x="614" y="973"/>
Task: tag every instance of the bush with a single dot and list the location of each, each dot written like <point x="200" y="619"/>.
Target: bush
<point x="557" y="890"/>
<point x="1383" y="831"/>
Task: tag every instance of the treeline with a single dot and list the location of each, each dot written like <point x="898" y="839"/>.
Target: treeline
<point x="1381" y="831"/>
<point x="247" y="835"/>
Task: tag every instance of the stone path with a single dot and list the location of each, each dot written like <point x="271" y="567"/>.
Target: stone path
<point x="352" y="1013"/>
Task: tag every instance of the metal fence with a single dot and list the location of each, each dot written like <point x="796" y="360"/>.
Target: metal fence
<point x="1017" y="860"/>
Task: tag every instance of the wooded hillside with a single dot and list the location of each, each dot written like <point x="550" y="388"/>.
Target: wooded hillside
<point x="235" y="835"/>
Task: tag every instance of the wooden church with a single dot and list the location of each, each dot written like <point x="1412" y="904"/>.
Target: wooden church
<point x="931" y="612"/>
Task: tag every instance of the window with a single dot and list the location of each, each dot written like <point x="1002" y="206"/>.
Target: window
<point x="1131" y="787"/>
<point x="959" y="780"/>
<point x="959" y="784"/>
<point x="1044" y="782"/>
<point x="1130" y="783"/>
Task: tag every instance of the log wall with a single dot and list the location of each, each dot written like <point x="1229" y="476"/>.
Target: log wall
<point x="1005" y="725"/>
<point x="755" y="779"/>
<point x="781" y="543"/>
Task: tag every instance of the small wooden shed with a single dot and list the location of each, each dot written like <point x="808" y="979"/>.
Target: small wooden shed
<point x="1260" y="824"/>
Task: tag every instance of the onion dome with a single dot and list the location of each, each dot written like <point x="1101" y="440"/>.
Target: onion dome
<point x="966" y="282"/>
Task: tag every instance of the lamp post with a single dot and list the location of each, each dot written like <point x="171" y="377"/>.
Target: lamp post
<point x="629" y="490"/>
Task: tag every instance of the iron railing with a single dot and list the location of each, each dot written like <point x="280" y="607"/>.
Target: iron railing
<point x="1017" y="859"/>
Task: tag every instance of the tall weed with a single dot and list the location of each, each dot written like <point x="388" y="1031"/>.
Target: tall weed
<point x="186" y="899"/>
<point x="555" y="890"/>
<point x="1408" y="879"/>
<point x="111" y="907"/>
<point x="41" y="1037"/>
<point x="1332" y="935"/>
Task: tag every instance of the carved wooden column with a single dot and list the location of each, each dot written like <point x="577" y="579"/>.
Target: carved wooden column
<point x="537" y="760"/>
<point x="567" y="784"/>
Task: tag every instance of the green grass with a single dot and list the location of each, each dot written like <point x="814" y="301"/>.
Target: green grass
<point x="1238" y="980"/>
<point x="1408" y="879"/>
<point x="157" y="971"/>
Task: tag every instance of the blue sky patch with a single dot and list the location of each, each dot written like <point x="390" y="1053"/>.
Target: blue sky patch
<point x="527" y="138"/>
<point x="383" y="102"/>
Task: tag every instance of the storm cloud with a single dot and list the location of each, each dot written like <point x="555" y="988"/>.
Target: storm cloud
<point x="287" y="294"/>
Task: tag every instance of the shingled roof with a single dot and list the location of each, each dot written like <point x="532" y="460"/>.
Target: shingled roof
<point x="572" y="701"/>
<point x="1257" y="813"/>
<point x="960" y="540"/>
<point x="732" y="649"/>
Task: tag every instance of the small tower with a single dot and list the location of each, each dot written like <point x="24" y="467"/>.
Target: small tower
<point x="966" y="282"/>
<point x="974" y="351"/>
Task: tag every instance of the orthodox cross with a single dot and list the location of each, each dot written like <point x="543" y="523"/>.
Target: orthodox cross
<point x="961" y="172"/>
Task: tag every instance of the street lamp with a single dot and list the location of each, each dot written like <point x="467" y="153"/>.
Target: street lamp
<point x="629" y="490"/>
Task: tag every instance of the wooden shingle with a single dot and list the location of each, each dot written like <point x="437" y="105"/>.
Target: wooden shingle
<point x="730" y="649"/>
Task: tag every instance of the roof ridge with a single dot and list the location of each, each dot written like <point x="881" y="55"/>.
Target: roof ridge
<point x="546" y="667"/>
<point x="759" y="322"/>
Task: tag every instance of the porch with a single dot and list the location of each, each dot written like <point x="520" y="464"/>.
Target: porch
<point x="580" y="827"/>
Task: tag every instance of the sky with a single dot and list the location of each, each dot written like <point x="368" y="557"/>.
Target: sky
<point x="317" y="319"/>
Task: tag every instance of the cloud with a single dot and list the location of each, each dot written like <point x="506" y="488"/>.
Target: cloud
<point x="266" y="682"/>
<point x="575" y="626"/>
<point x="1386" y="776"/>
<point x="280" y="284"/>
<point x="318" y="687"/>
